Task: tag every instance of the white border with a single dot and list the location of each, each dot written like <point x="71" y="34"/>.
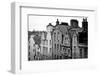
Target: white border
<point x="16" y="40"/>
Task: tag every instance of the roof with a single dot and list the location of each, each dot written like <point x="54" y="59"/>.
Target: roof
<point x="49" y="25"/>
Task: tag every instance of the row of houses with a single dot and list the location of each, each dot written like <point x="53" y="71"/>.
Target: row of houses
<point x="62" y="41"/>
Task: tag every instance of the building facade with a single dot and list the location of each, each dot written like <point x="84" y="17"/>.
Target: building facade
<point x="62" y="41"/>
<point x="83" y="39"/>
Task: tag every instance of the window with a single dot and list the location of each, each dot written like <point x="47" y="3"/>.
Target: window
<point x="50" y="50"/>
<point x="54" y="36"/>
<point x="50" y="42"/>
<point x="46" y="42"/>
<point x="59" y="37"/>
<point x="74" y="46"/>
<point x="69" y="53"/>
<point x="62" y="38"/>
<point x="57" y="47"/>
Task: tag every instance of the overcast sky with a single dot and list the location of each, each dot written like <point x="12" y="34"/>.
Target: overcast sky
<point x="39" y="23"/>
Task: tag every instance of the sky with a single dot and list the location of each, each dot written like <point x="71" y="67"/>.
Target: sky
<point x="39" y="23"/>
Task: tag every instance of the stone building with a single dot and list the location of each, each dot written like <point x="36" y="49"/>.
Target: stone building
<point x="44" y="42"/>
<point x="83" y="39"/>
<point x="49" y="29"/>
<point x="61" y="41"/>
<point x="32" y="50"/>
<point x="74" y="30"/>
<point x="66" y="39"/>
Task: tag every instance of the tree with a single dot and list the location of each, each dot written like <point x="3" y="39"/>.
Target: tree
<point x="37" y="40"/>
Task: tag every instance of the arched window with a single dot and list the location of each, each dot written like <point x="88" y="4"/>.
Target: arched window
<point x="54" y="36"/>
<point x="62" y="38"/>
